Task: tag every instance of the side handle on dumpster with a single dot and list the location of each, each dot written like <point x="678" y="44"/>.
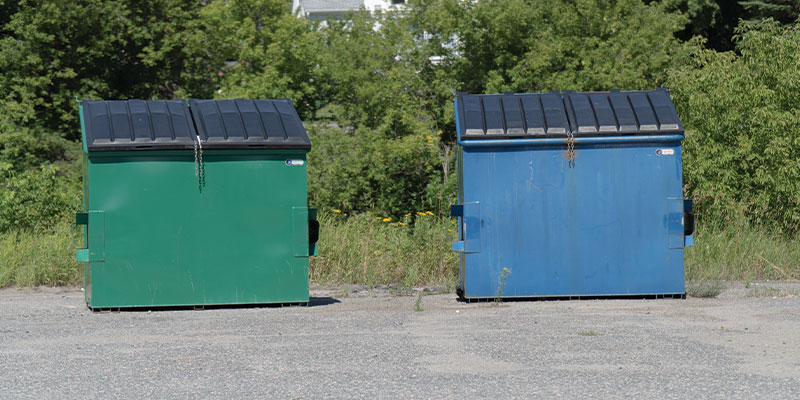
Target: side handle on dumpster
<point x="469" y="227"/>
<point x="305" y="231"/>
<point x="688" y="223"/>
<point x="95" y="250"/>
<point x="313" y="232"/>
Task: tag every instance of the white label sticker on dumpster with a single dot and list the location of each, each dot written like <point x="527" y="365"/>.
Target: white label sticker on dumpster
<point x="665" y="152"/>
<point x="294" y="162"/>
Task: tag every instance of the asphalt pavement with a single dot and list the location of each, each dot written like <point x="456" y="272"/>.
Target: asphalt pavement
<point x="353" y="342"/>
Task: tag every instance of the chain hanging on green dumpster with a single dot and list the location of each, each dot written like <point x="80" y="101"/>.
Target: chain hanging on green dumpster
<point x="198" y="161"/>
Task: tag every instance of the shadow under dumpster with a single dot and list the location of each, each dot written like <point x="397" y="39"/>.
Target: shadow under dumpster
<point x="312" y="302"/>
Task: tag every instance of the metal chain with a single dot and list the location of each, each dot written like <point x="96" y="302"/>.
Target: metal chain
<point x="198" y="159"/>
<point x="571" y="148"/>
<point x="196" y="170"/>
<point x="202" y="167"/>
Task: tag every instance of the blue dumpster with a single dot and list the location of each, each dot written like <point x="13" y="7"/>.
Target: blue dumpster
<point x="570" y="195"/>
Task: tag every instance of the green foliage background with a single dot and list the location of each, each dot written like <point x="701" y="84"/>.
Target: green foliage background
<point x="376" y="90"/>
<point x="742" y="113"/>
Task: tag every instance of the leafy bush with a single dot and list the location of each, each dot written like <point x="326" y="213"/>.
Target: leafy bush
<point x="364" y="171"/>
<point x="21" y="149"/>
<point x="742" y="116"/>
<point x="37" y="199"/>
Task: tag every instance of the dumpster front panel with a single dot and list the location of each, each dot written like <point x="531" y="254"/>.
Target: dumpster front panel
<point x="605" y="226"/>
<point x="173" y="239"/>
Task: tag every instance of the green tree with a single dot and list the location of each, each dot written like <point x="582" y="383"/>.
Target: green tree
<point x="783" y="11"/>
<point x="394" y="105"/>
<point x="714" y="20"/>
<point x="54" y="50"/>
<point x="370" y="68"/>
<point x="269" y="51"/>
<point x="742" y="115"/>
<point x="524" y="45"/>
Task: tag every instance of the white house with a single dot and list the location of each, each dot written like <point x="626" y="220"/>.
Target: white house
<point x="323" y="10"/>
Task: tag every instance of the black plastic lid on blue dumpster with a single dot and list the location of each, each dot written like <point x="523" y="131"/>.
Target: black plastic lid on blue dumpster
<point x="116" y="125"/>
<point x="553" y="115"/>
<point x="240" y="123"/>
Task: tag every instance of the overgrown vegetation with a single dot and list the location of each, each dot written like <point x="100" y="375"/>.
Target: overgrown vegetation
<point x="40" y="257"/>
<point x="410" y="250"/>
<point x="376" y="93"/>
<point x="739" y="251"/>
<point x="742" y="113"/>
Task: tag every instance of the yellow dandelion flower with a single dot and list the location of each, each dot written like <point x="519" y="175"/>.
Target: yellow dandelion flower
<point x="452" y="222"/>
<point x="336" y="210"/>
<point x="439" y="133"/>
<point x="408" y="215"/>
<point x="428" y="212"/>
<point x="421" y="213"/>
<point x="401" y="223"/>
<point x="449" y="230"/>
<point x="377" y="217"/>
<point x="387" y="219"/>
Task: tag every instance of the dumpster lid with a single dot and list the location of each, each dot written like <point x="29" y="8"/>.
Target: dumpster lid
<point x="540" y="115"/>
<point x="242" y="124"/>
<point x="120" y="125"/>
<point x="124" y="125"/>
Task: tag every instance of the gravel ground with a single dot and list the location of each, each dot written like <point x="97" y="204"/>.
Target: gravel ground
<point x="358" y="343"/>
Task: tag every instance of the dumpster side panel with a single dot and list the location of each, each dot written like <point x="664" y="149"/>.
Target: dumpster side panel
<point x="605" y="226"/>
<point x="174" y="239"/>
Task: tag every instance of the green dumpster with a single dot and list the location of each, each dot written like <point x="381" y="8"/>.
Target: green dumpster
<point x="194" y="203"/>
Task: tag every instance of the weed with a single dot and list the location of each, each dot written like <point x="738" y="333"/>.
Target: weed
<point x="418" y="303"/>
<point x="501" y="284"/>
<point x="704" y="288"/>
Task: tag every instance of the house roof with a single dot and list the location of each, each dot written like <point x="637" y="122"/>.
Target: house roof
<point x="310" y="6"/>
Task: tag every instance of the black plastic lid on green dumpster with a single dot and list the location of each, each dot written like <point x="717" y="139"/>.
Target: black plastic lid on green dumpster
<point x="533" y="115"/>
<point x="120" y="125"/>
<point x="240" y="124"/>
<point x="124" y="125"/>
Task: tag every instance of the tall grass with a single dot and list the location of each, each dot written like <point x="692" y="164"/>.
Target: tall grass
<point x="374" y="250"/>
<point x="739" y="251"/>
<point x="31" y="258"/>
<point x="412" y="251"/>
